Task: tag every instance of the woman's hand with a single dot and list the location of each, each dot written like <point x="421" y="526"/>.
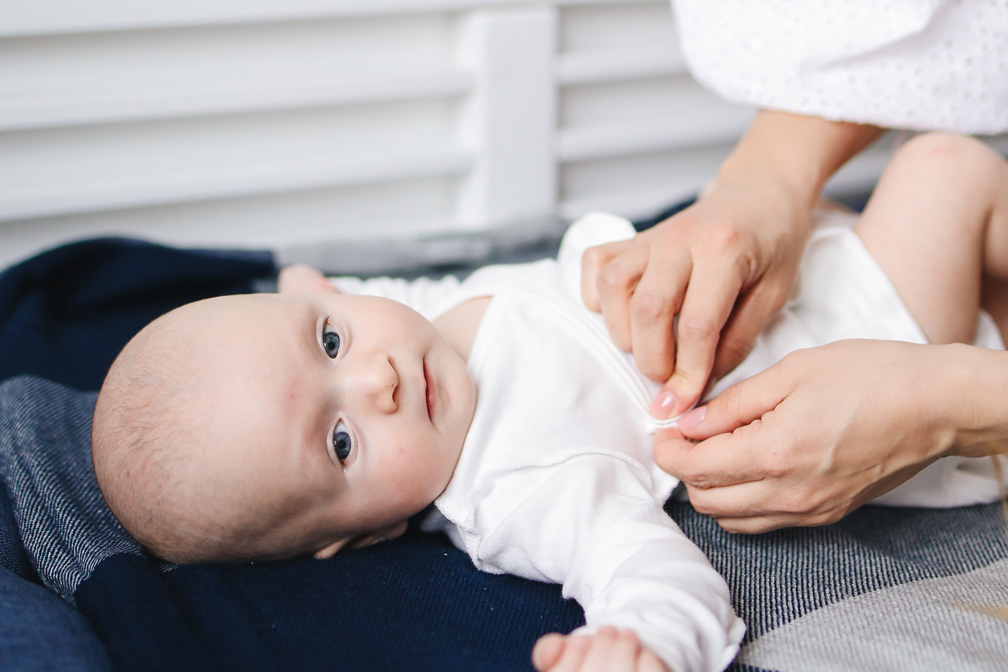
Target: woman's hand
<point x="826" y="429"/>
<point x="724" y="266"/>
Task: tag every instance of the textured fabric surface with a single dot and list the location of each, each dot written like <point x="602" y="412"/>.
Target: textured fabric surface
<point x="66" y="313"/>
<point x="944" y="621"/>
<point x="38" y="631"/>
<point x="413" y="604"/>
<point x="810" y="596"/>
<point x="45" y="459"/>
<point x="11" y="553"/>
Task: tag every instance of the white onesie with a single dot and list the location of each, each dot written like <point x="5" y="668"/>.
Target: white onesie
<point x="556" y="480"/>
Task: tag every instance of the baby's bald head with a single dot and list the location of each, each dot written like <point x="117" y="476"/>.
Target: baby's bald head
<point x="156" y="437"/>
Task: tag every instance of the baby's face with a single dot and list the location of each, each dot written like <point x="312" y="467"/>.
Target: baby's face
<point x="348" y="411"/>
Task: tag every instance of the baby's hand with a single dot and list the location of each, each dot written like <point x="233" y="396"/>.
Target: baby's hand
<point x="607" y="650"/>
<point x="302" y="279"/>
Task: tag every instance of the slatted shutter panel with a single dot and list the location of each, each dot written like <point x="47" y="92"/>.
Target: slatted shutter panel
<point x="271" y="123"/>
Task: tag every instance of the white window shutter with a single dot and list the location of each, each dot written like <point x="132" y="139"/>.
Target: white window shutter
<point x="271" y="123"/>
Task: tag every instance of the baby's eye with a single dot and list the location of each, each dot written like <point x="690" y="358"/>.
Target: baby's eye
<point x="341" y="442"/>
<point x="330" y="341"/>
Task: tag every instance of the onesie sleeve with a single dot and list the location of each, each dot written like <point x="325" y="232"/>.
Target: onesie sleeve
<point x="594" y="228"/>
<point x="941" y="64"/>
<point x="591" y="524"/>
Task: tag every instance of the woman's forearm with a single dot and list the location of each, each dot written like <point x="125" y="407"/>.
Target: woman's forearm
<point x="977" y="407"/>
<point x="798" y="151"/>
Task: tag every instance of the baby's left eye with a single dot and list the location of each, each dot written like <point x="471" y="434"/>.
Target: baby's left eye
<point x="342" y="443"/>
<point x="330" y="342"/>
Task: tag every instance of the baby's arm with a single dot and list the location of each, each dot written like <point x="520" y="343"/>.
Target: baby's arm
<point x="607" y="649"/>
<point x="591" y="524"/>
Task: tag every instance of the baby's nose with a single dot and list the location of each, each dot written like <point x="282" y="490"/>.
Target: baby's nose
<point x="376" y="379"/>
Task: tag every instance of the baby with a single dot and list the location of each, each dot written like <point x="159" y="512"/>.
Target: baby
<point x="274" y="425"/>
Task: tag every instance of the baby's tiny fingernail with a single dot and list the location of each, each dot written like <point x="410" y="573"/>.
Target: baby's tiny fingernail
<point x="663" y="404"/>
<point x="693" y="417"/>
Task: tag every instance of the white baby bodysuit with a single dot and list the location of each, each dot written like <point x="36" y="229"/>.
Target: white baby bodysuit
<point x="556" y="480"/>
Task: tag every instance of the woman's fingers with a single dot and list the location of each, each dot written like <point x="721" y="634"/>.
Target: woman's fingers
<point x="741" y="404"/>
<point x="817" y="434"/>
<point x="656" y="300"/>
<point x="751" y="313"/>
<point x="593" y="261"/>
<point x="615" y="284"/>
<point x="718" y="462"/>
<point x="710" y="297"/>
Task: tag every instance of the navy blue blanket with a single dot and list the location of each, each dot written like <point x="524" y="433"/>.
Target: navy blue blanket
<point x="883" y="589"/>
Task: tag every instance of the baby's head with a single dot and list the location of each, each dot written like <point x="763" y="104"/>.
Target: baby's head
<point x="273" y="425"/>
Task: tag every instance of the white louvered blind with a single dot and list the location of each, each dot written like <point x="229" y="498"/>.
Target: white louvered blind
<point x="281" y="122"/>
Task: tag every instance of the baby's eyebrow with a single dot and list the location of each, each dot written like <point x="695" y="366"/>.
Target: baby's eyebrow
<point x="314" y="318"/>
<point x="302" y="317"/>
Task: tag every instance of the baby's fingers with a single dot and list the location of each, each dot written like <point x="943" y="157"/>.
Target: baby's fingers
<point x="611" y="649"/>
<point x="547" y="651"/>
<point x="608" y="649"/>
<point x="302" y="279"/>
<point x="649" y="662"/>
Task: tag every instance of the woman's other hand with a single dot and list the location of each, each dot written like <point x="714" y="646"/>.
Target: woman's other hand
<point x="827" y="429"/>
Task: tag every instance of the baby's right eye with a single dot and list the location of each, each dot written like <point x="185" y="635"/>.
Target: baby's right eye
<point x="330" y="342"/>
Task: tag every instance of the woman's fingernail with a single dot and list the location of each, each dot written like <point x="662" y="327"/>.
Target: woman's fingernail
<point x="692" y="417"/>
<point x="663" y="404"/>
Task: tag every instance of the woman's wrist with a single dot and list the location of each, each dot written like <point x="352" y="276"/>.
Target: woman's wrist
<point x="976" y="411"/>
<point x="794" y="153"/>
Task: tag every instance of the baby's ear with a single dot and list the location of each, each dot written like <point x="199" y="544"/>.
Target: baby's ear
<point x="362" y="540"/>
<point x="303" y="279"/>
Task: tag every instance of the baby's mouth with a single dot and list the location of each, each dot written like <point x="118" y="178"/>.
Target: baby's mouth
<point x="429" y="392"/>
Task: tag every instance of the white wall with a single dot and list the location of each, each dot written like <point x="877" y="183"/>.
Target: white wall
<point x="275" y="122"/>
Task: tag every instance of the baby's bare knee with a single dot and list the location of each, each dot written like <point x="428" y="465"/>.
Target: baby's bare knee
<point x="959" y="161"/>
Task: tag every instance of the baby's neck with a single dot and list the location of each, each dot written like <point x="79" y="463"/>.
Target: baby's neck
<point x="459" y="325"/>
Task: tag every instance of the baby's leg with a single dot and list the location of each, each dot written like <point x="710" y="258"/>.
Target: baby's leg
<point x="938" y="225"/>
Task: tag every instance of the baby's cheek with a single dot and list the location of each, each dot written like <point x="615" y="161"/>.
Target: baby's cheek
<point x="409" y="471"/>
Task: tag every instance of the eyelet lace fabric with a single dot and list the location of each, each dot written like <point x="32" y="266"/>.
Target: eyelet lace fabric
<point x="916" y="64"/>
